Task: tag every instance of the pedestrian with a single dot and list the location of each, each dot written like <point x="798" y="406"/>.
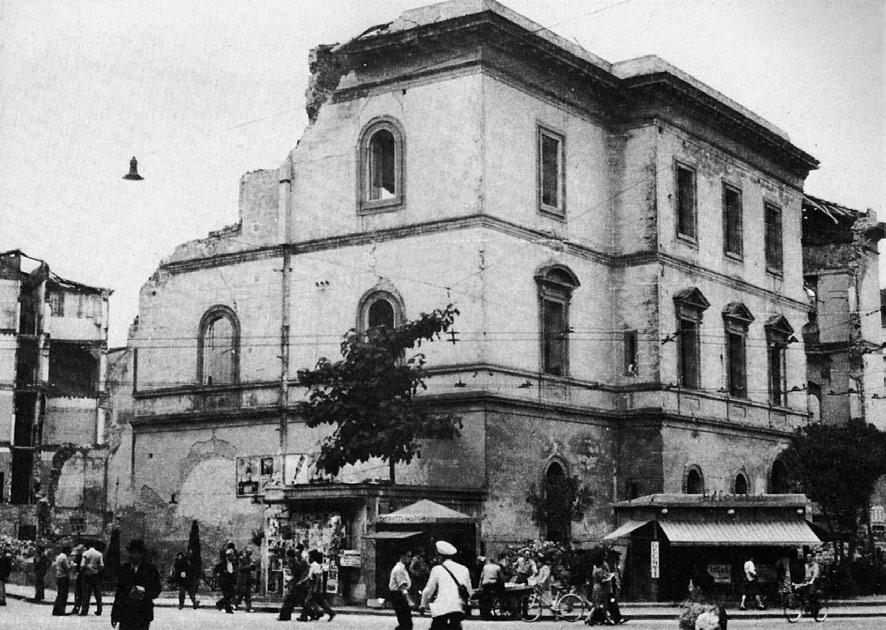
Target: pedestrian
<point x="297" y="570"/>
<point x="316" y="594"/>
<point x="750" y="585"/>
<point x="5" y="570"/>
<point x="419" y="572"/>
<point x="62" y="581"/>
<point x="76" y="575"/>
<point x="137" y="586"/>
<point x="247" y="568"/>
<point x="492" y="586"/>
<point x="598" y="593"/>
<point x="447" y="590"/>
<point x="182" y="579"/>
<point x="614" y="579"/>
<point x="42" y="562"/>
<point x="226" y="578"/>
<point x="399" y="584"/>
<point x="92" y="566"/>
<point x="526" y="569"/>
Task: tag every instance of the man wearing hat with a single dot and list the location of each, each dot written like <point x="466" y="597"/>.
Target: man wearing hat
<point x="137" y="586"/>
<point x="441" y="594"/>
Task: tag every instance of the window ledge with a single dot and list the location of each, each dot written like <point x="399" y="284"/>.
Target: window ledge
<point x="690" y="241"/>
<point x="552" y="212"/>
<point x="733" y="257"/>
<point x="381" y="205"/>
<point x="778" y="273"/>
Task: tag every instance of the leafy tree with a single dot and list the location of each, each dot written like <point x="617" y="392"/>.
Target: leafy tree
<point x="837" y="466"/>
<point x="562" y="499"/>
<point x="369" y="395"/>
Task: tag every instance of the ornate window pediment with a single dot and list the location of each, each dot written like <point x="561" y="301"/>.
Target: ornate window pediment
<point x="738" y="313"/>
<point x="691" y="303"/>
<point x="779" y="325"/>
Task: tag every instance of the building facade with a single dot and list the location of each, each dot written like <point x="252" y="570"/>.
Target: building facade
<point x="621" y="240"/>
<point x="53" y="341"/>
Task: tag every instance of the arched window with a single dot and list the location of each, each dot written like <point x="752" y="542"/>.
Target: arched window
<point x="778" y="478"/>
<point x="558" y="503"/>
<point x="740" y="485"/>
<point x="555" y="286"/>
<point x="694" y="482"/>
<point x="381" y="306"/>
<point x="218" y="346"/>
<point x="380" y="163"/>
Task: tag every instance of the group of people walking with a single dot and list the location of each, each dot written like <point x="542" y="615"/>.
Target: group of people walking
<point x="79" y="570"/>
<point x="305" y="586"/>
<point x="234" y="575"/>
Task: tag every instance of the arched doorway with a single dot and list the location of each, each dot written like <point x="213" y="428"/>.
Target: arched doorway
<point x="558" y="501"/>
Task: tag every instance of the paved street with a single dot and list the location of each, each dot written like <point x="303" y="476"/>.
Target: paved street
<point x="23" y="615"/>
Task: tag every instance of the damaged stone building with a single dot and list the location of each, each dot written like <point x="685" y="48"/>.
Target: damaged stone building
<point x="53" y="340"/>
<point x="623" y="244"/>
<point x="843" y="335"/>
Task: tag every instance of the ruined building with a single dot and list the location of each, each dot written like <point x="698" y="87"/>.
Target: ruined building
<point x="843" y="336"/>
<point x="53" y="339"/>
<point x="623" y="244"/>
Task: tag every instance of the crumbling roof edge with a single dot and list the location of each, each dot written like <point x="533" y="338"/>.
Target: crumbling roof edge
<point x="54" y="277"/>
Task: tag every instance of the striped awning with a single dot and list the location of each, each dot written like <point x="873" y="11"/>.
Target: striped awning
<point x="784" y="533"/>
<point x="624" y="531"/>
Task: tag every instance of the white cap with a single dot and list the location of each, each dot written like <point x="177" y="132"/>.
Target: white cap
<point x="445" y="549"/>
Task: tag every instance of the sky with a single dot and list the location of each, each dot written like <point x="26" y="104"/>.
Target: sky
<point x="204" y="91"/>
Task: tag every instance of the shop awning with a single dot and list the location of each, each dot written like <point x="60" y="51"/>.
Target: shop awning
<point x="391" y="535"/>
<point x="625" y="530"/>
<point x="424" y="513"/>
<point x="773" y="533"/>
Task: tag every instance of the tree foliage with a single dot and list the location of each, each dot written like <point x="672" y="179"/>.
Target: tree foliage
<point x="562" y="499"/>
<point x="838" y="467"/>
<point x="369" y="395"/>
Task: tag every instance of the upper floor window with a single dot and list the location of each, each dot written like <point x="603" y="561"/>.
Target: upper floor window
<point x="381" y="166"/>
<point x="778" y="335"/>
<point x="686" y="201"/>
<point x="555" y="287"/>
<point x="778" y="478"/>
<point x="56" y="301"/>
<point x="736" y="319"/>
<point x="732" y="221"/>
<point x="690" y="306"/>
<point x="774" y="258"/>
<point x="379" y="308"/>
<point x="740" y="485"/>
<point x="694" y="482"/>
<point x="551" y="173"/>
<point x="218" y="347"/>
<point x="631" y="355"/>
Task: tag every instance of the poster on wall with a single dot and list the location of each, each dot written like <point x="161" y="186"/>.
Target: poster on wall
<point x="653" y="559"/>
<point x="256" y="472"/>
<point x="722" y="573"/>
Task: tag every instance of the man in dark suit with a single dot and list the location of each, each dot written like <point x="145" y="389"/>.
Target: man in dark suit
<point x="137" y="586"/>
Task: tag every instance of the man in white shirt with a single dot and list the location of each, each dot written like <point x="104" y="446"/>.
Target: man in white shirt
<point x="92" y="566"/>
<point x="441" y="593"/>
<point x="492" y="586"/>
<point x="62" y="581"/>
<point x="399" y="584"/>
<point x="750" y="586"/>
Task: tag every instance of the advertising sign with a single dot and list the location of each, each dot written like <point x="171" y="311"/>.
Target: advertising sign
<point x="653" y="559"/>
<point x="350" y="558"/>
<point x="257" y="472"/>
<point x="722" y="573"/>
<point x="332" y="578"/>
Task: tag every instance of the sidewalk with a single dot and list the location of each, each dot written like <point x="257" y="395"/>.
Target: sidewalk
<point x="865" y="606"/>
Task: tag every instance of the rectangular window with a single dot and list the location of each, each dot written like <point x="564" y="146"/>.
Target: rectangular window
<point x="630" y="353"/>
<point x="732" y="228"/>
<point x="774" y="260"/>
<point x="737" y="364"/>
<point x="56" y="304"/>
<point x="686" y="201"/>
<point x="550" y="172"/>
<point x="777" y="372"/>
<point x="688" y="344"/>
<point x="555" y="337"/>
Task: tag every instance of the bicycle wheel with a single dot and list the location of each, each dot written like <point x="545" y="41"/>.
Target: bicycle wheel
<point x="570" y="607"/>
<point x="530" y="607"/>
<point x="822" y="613"/>
<point x="793" y="607"/>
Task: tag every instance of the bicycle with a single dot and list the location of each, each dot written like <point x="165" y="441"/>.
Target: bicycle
<point x="566" y="605"/>
<point x="797" y="601"/>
